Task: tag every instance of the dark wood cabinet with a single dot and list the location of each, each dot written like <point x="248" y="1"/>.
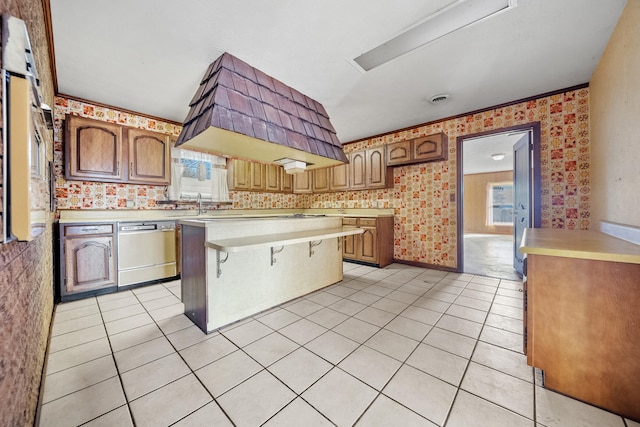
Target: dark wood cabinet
<point x="428" y="148"/>
<point x="374" y="246"/>
<point x="107" y="152"/>
<point x="377" y="173"/>
<point x="149" y="157"/>
<point x="357" y="170"/>
<point x="88" y="261"/>
<point x="94" y="150"/>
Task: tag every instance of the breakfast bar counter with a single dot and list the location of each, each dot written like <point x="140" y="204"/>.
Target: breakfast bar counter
<point x="236" y="267"/>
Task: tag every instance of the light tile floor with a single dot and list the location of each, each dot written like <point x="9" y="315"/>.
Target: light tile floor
<point x="489" y="255"/>
<point x="400" y="346"/>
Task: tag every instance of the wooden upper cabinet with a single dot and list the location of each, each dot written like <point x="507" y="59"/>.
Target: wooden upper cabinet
<point x="428" y="148"/>
<point x="357" y="170"/>
<point x="339" y="178"/>
<point x="398" y="153"/>
<point x="238" y="175"/>
<point x="107" y="152"/>
<point x="258" y="173"/>
<point x="431" y="147"/>
<point x="303" y="182"/>
<point x="321" y="180"/>
<point x="93" y="150"/>
<point x="272" y="178"/>
<point x="376" y="169"/>
<point x="149" y="157"/>
<point x="286" y="183"/>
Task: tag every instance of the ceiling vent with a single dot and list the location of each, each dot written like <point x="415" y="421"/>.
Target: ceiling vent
<point x="436" y="99"/>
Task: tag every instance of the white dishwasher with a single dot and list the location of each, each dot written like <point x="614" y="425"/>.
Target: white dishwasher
<point x="146" y="251"/>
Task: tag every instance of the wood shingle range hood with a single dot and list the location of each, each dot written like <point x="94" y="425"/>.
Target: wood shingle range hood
<point x="241" y="112"/>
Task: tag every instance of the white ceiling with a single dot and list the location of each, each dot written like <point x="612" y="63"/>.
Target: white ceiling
<point x="149" y="55"/>
<point x="476" y="153"/>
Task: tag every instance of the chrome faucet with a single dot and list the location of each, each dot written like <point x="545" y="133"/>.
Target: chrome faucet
<point x="199" y="200"/>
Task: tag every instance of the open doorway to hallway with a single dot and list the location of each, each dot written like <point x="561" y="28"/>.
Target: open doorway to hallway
<point x="496" y="204"/>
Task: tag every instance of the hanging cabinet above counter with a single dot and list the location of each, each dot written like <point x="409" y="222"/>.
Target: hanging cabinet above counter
<point x="430" y="148"/>
<point x="107" y="152"/>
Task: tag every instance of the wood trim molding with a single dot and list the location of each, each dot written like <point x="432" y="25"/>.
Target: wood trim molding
<point x="482" y="110"/>
<point x="48" y="25"/>
<point x="425" y="265"/>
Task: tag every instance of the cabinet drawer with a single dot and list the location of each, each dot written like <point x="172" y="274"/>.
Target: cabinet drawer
<point x="368" y="222"/>
<point x="75" y="230"/>
<point x="350" y="221"/>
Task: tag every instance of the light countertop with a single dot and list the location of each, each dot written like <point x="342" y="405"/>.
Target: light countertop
<point x="592" y="245"/>
<point x="112" y="215"/>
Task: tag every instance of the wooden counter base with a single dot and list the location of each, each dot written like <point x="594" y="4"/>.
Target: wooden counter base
<point x="582" y="322"/>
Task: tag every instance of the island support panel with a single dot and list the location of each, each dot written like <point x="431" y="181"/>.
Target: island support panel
<point x="583" y="327"/>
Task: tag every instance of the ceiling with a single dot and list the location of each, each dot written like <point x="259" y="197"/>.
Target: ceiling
<point x="149" y="56"/>
<point x="477" y="152"/>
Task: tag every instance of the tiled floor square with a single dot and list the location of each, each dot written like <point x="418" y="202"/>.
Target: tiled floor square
<point x="370" y="366"/>
<point x="128" y="323"/>
<point x="357" y="330"/>
<point x="295" y="412"/>
<point x="271" y="348"/>
<point x="470" y="410"/>
<point x="71" y="339"/>
<point x="323" y="298"/>
<point x="300" y="369"/>
<point x="327" y="317"/>
<point x="140" y="354"/>
<point x="421" y="315"/>
<point x="209" y="415"/>
<point x="392" y="344"/>
<point x="348" y="307"/>
<point x="332" y="347"/>
<point x="77" y="324"/>
<point x="408" y="328"/>
<point x="439" y="363"/>
<point x="501" y="338"/>
<point x="556" y="410"/>
<point x="207" y="351"/>
<point x="472" y="314"/>
<point x="134" y="337"/>
<point x="330" y="393"/>
<point x="374" y="315"/>
<point x="390" y="305"/>
<point x="302" y="331"/>
<point x="451" y="342"/>
<point x="83" y="405"/>
<point x="227" y="372"/>
<point x="266" y="394"/>
<point x="385" y="412"/>
<point x="78" y="377"/>
<point x="460" y="326"/>
<point x="75" y="313"/>
<point x="279" y="318"/>
<point x="122" y="312"/>
<point x="503" y="360"/>
<point x="432" y="304"/>
<point x="506" y="323"/>
<point x="187" y="337"/>
<point x="499" y="388"/>
<point x="304" y="307"/>
<point x="170" y="403"/>
<point x="120" y="417"/>
<point x="422" y="393"/>
<point x="153" y="375"/>
<point x="77" y="355"/>
<point x="363" y="297"/>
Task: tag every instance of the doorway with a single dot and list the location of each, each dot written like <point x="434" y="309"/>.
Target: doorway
<point x="493" y="197"/>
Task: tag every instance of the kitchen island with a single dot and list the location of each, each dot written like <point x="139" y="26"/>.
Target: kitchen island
<point x="581" y="318"/>
<point x="236" y="267"/>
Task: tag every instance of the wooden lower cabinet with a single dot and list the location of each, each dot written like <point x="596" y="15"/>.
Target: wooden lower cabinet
<point x="374" y="246"/>
<point x="582" y="329"/>
<point x="88" y="261"/>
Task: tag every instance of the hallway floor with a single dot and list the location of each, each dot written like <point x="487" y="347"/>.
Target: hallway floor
<point x="399" y="346"/>
<point x="489" y="255"/>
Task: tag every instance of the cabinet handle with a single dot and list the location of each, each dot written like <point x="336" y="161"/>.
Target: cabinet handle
<point x="131" y="168"/>
<point x="109" y="248"/>
<point x="118" y="167"/>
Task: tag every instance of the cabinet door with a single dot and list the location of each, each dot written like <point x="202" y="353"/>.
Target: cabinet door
<point x="238" y="174"/>
<point x="368" y="245"/>
<point x="286" y="180"/>
<point x="398" y="153"/>
<point x="89" y="263"/>
<point x="272" y="177"/>
<point x="302" y="182"/>
<point x="339" y="178"/>
<point x="93" y="150"/>
<point x="430" y="147"/>
<point x="357" y="170"/>
<point x="376" y="168"/>
<point x="321" y="180"/>
<point x="258" y="175"/>
<point x="149" y="156"/>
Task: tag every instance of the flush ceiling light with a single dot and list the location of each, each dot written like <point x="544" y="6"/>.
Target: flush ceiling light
<point x="497" y="156"/>
<point x="292" y="166"/>
<point x="460" y="14"/>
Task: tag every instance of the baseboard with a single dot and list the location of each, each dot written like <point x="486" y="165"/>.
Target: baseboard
<point x="426" y="265"/>
<point x="621" y="231"/>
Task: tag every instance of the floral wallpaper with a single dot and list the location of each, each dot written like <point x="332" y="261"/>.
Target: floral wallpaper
<point x="423" y="196"/>
<point x="426" y="216"/>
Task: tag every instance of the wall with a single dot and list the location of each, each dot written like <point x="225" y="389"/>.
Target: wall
<point x="26" y="272"/>
<point x="615" y="128"/>
<point x="98" y="195"/>
<point x="425" y="216"/>
<point x="475" y="202"/>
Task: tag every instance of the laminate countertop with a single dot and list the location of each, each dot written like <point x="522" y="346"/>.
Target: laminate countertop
<point x="113" y="215"/>
<point x="581" y="244"/>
